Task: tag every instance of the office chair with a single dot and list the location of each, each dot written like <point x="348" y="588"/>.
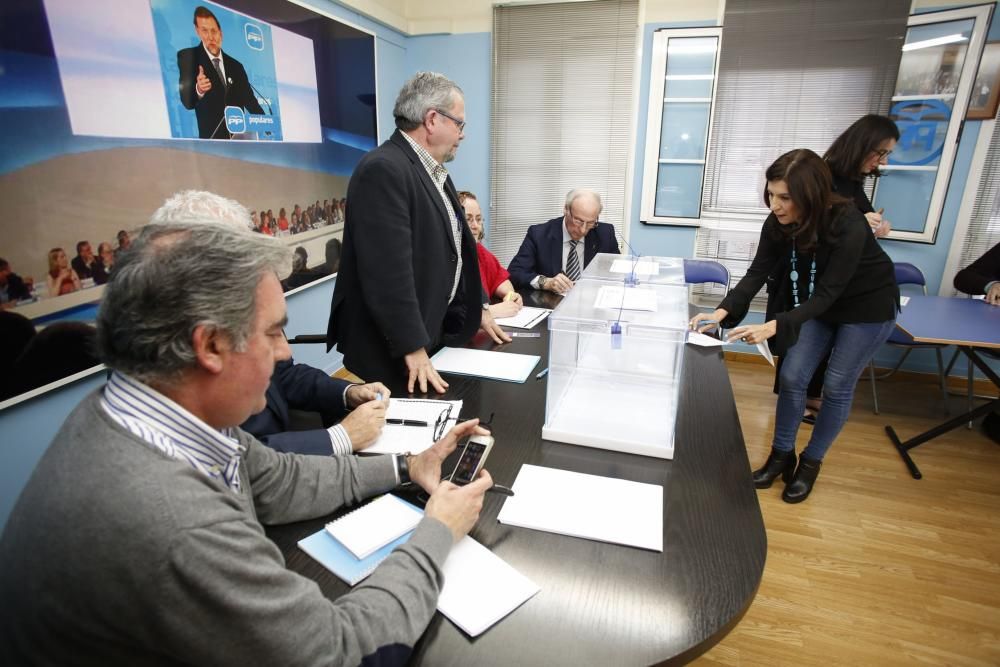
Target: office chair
<point x="909" y="274"/>
<point x="701" y="271"/>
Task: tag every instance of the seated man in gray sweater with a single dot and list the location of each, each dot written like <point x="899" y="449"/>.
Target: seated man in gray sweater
<point x="138" y="539"/>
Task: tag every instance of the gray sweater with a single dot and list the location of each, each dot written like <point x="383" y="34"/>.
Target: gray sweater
<point x="117" y="554"/>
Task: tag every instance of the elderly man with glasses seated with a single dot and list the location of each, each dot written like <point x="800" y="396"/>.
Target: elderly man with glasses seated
<point x="554" y="254"/>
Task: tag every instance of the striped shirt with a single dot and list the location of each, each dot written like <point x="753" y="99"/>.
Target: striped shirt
<point x="167" y="427"/>
<point x="439" y="175"/>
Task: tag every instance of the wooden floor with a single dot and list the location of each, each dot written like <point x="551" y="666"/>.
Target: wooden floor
<point x="875" y="568"/>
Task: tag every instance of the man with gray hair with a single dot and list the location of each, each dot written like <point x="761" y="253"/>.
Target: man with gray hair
<point x="552" y="257"/>
<point x="138" y="539"/>
<point x="409" y="273"/>
<point x="352" y="414"/>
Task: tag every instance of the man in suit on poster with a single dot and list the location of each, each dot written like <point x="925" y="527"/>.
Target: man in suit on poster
<point x="409" y="273"/>
<point x="212" y="80"/>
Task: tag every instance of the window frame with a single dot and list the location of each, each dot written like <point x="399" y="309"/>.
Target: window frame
<point x="654" y="120"/>
<point x="980" y="14"/>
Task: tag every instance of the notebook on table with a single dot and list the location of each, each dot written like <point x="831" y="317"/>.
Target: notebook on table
<point x="353" y="546"/>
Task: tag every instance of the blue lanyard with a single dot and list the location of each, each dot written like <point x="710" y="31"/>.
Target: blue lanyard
<point x="794" y="275"/>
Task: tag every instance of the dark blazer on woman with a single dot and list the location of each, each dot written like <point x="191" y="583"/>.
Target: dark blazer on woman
<point x="397" y="267"/>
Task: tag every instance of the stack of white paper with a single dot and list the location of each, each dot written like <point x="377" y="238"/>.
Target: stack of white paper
<point x="484" y="363"/>
<point x="526" y="318"/>
<point x="589" y="506"/>
<point x="480" y="588"/>
<point x="372" y="526"/>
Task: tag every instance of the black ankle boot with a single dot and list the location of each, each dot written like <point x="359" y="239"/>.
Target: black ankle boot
<point x="802" y="483"/>
<point x="778" y="463"/>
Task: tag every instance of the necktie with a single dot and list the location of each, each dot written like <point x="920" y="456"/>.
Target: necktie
<point x="573" y="262"/>
<point x="218" y="70"/>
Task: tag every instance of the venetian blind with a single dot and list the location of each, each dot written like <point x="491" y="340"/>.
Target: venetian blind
<point x="561" y="112"/>
<point x="984" y="225"/>
<point x="795" y="75"/>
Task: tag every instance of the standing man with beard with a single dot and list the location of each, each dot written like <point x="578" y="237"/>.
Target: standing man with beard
<point x="409" y="274"/>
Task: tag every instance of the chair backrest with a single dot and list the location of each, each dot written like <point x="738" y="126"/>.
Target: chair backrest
<point x="705" y="271"/>
<point x="909" y="274"/>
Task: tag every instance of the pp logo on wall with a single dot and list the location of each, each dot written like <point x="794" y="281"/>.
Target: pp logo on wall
<point x="254" y="36"/>
<point x="236" y="122"/>
<point x="923" y="126"/>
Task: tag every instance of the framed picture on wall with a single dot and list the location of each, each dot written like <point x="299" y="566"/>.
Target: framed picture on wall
<point x="986" y="90"/>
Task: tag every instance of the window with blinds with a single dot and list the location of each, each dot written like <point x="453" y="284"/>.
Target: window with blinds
<point x="561" y="112"/>
<point x="983" y="231"/>
<point x="794" y="75"/>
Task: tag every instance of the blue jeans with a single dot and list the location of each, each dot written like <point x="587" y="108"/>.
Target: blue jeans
<point x="853" y="347"/>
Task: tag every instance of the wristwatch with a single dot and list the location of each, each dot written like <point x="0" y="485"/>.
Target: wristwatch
<point x="402" y="468"/>
<point x="541" y="281"/>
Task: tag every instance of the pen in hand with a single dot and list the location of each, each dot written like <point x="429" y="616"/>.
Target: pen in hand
<point x="502" y="490"/>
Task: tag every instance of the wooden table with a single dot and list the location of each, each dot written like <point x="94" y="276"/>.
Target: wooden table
<point x="605" y="604"/>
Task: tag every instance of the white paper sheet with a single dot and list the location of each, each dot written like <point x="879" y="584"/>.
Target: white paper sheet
<point x="643" y="267"/>
<point x="526" y="318"/>
<point x="704" y="340"/>
<point x="397" y="439"/>
<point x="484" y="363"/>
<point x="632" y="298"/>
<point x="480" y="588"/>
<point x="588" y="506"/>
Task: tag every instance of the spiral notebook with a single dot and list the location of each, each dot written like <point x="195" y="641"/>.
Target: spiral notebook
<point x="366" y="532"/>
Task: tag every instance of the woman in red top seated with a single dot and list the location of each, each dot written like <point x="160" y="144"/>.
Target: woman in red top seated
<point x="494" y="277"/>
<point x="282" y="221"/>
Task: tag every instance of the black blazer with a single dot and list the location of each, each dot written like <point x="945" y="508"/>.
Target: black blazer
<point x="212" y="106"/>
<point x="397" y="267"/>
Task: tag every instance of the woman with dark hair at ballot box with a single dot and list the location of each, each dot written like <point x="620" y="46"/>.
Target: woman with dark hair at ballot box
<point x="844" y="302"/>
<point x="495" y="279"/>
<point x="855" y="155"/>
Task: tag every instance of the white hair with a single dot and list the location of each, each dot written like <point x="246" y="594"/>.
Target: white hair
<point x="192" y="205"/>
<point x="423" y="92"/>
<point x="576" y="193"/>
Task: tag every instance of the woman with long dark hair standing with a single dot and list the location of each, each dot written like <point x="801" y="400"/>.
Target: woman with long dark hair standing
<point x="845" y="301"/>
<point x="855" y="155"/>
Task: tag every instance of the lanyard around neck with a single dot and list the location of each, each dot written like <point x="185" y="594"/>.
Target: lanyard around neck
<point x="794" y="275"/>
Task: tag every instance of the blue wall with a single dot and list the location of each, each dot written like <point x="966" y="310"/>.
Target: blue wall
<point x="465" y="59"/>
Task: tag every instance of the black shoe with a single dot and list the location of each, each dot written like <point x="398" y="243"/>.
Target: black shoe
<point x="778" y="463"/>
<point x="802" y="483"/>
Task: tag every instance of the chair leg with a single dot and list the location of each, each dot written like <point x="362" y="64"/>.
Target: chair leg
<point x="871" y="376"/>
<point x="942" y="379"/>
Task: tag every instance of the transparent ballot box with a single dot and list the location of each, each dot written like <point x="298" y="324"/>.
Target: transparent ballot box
<point x="636" y="270"/>
<point x="615" y="355"/>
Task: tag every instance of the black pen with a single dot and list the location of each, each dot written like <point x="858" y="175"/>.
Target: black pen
<point x="503" y="490"/>
<point x="406" y="422"/>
